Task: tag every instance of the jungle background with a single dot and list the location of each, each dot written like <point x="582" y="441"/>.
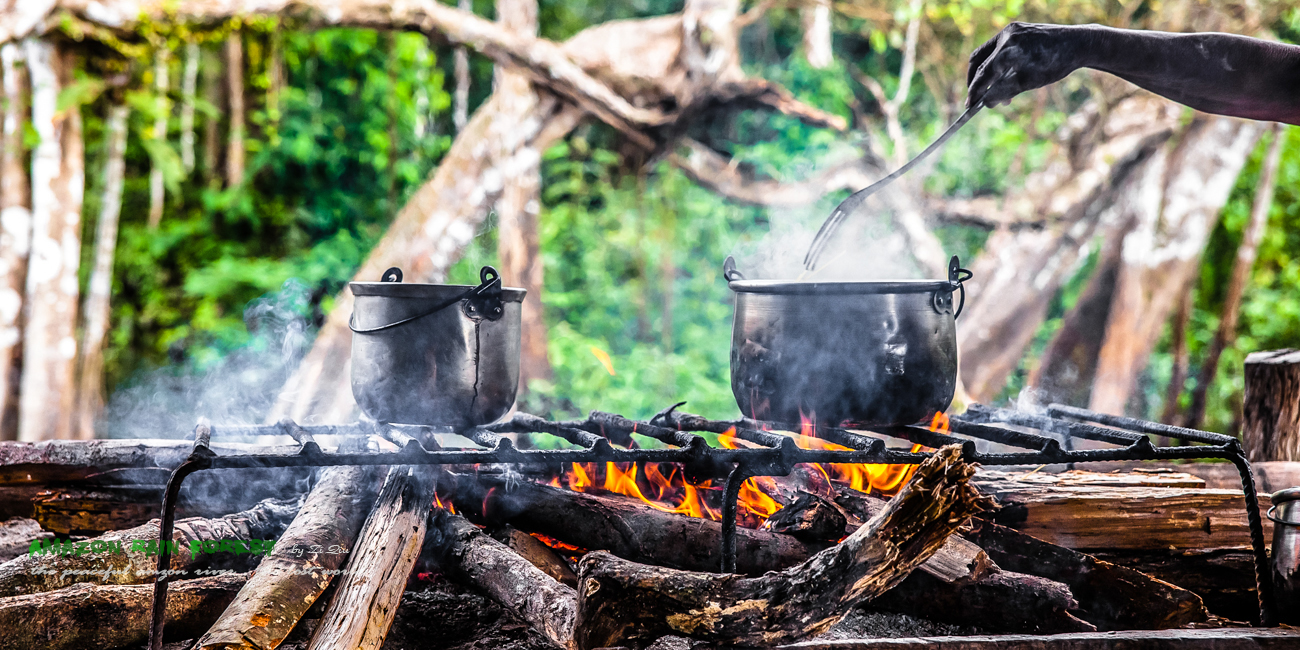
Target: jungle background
<point x="259" y="161"/>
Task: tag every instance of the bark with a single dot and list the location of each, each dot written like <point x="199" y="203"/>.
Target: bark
<point x="83" y="511"/>
<point x="1182" y="639"/>
<point x="157" y="191"/>
<point x="817" y="33"/>
<point x="17" y="535"/>
<point x="1001" y="602"/>
<point x="304" y="562"/>
<point x="365" y="601"/>
<point x="1224" y="579"/>
<point x="550" y="607"/>
<point x="1019" y="271"/>
<point x="1093" y="518"/>
<point x="460" y="112"/>
<point x="97" y="616"/>
<point x="40" y="570"/>
<point x="15" y="236"/>
<point x="1180" y="197"/>
<point x="96" y="311"/>
<point x="214" y="77"/>
<point x="1240" y="278"/>
<point x="1110" y="597"/>
<point x="97" y="461"/>
<point x="189" y="86"/>
<point x="1271" y="412"/>
<point x="235" y="97"/>
<point x="518" y="245"/>
<point x="49" y="343"/>
<point x="623" y="603"/>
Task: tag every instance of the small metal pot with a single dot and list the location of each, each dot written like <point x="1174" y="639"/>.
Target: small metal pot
<point x="435" y="354"/>
<point x="845" y="353"/>
<point x="1285" y="514"/>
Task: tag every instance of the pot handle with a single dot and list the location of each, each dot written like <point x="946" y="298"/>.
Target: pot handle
<point x="729" y="270"/>
<point x="959" y="275"/>
<point x="483" y="301"/>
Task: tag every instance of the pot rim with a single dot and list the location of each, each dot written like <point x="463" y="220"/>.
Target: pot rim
<point x="794" y="287"/>
<point x="428" y="291"/>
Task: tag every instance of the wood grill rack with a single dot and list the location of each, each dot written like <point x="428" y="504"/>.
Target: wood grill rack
<point x="1047" y="437"/>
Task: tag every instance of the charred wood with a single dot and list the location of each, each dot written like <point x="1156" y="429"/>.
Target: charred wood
<point x="1271" y="411"/>
<point x="1223" y="578"/>
<point x="111" y="616"/>
<point x="622" y="603"/>
<point x="129" y="556"/>
<point x="1000" y="601"/>
<point x="302" y="565"/>
<point x="538" y="553"/>
<point x="810" y="518"/>
<point x="537" y="598"/>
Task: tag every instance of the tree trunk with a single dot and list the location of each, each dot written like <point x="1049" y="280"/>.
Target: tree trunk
<point x="90" y="390"/>
<point x="302" y="565"/>
<point x="1008" y="301"/>
<point x="15" y="236"/>
<point x="157" y="191"/>
<point x="1241" y="268"/>
<point x="518" y="246"/>
<point x="1178" y="202"/>
<point x="117" y="616"/>
<point x="189" y="85"/>
<point x="460" y="111"/>
<point x="626" y="604"/>
<point x="1271" y="412"/>
<point x="366" y="599"/>
<point x="49" y="346"/>
<point x="235" y="95"/>
<point x="214" y="78"/>
<point x="817" y="34"/>
<point x="1178" y="377"/>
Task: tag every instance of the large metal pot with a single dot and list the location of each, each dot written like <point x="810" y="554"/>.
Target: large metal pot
<point x="436" y="354"/>
<point x="845" y="353"/>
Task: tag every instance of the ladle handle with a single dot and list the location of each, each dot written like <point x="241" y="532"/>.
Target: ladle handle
<point x="850" y="205"/>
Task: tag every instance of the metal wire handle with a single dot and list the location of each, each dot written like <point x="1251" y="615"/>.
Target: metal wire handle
<point x="489" y="281"/>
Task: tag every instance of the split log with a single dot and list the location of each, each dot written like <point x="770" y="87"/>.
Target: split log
<point x="17" y="535"/>
<point x="302" y="565"/>
<point x="629" y="604"/>
<point x="547" y="605"/>
<point x="365" y="601"/>
<point x="1141" y="476"/>
<point x="1271" y="410"/>
<point x="46" y="569"/>
<point x="539" y="554"/>
<point x="1270" y="476"/>
<point x="76" y="511"/>
<point x="1223" y="578"/>
<point x="113" y="616"/>
<point x="1111" y="597"/>
<point x="1133" y="518"/>
<point x="1245" y="639"/>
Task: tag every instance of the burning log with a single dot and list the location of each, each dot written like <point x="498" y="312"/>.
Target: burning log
<point x="809" y="518"/>
<point x="128" y="557"/>
<point x="364" y="603"/>
<point x="1111" y="597"/>
<point x="999" y="601"/>
<point x="539" y="554"/>
<point x="510" y="579"/>
<point x="622" y="603"/>
<point x="302" y="565"/>
<point x="111" y="616"/>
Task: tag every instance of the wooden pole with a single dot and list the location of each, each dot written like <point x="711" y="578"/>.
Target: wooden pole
<point x="1271" y="410"/>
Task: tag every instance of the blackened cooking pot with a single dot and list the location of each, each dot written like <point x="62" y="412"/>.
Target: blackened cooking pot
<point x="845" y="353"/>
<point x="435" y="354"/>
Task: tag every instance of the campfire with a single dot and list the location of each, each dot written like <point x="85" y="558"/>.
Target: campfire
<point x="729" y="533"/>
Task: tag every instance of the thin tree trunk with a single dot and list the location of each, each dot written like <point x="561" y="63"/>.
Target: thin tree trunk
<point x="189" y="84"/>
<point x="15" y="237"/>
<point x="213" y="80"/>
<point x="1179" y="209"/>
<point x="90" y="392"/>
<point x="1241" y="268"/>
<point x="817" y="34"/>
<point x="460" y="112"/>
<point x="235" y="92"/>
<point x="1178" y="377"/>
<point x="518" y="244"/>
<point x="157" y="191"/>
<point x="49" y="346"/>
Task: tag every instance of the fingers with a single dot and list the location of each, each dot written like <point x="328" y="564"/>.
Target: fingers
<point x="979" y="56"/>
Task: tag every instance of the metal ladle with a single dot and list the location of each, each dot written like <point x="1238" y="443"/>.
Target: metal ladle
<point x="855" y="200"/>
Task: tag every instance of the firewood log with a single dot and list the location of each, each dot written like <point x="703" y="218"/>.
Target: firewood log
<point x="539" y="554"/>
<point x="1111" y="597"/>
<point x="623" y="603"/>
<point x="467" y="552"/>
<point x="365" y="601"/>
<point x="112" y="558"/>
<point x="17" y="535"/>
<point x="304" y="561"/>
<point x="111" y="616"/>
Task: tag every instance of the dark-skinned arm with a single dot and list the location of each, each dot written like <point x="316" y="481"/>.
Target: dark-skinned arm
<point x="1217" y="73"/>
